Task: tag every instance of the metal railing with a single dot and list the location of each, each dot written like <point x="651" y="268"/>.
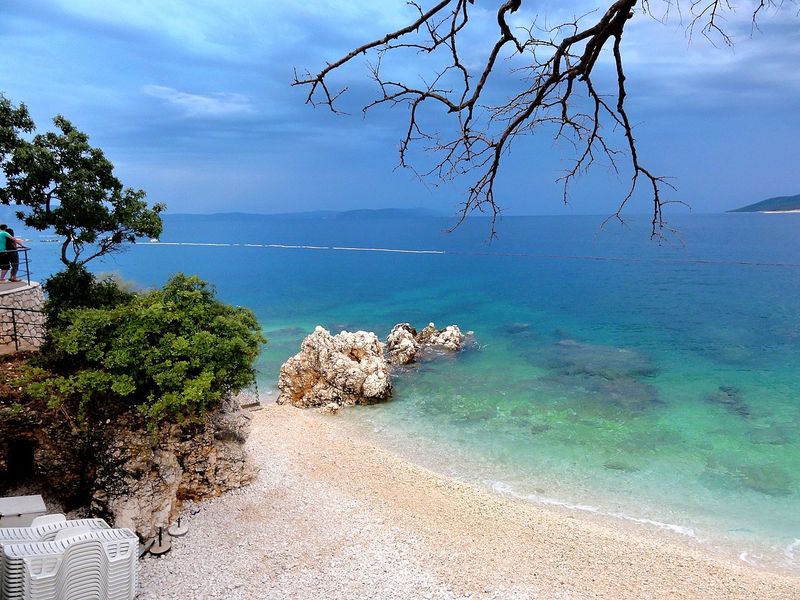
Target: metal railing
<point x="26" y="273"/>
<point x="21" y="329"/>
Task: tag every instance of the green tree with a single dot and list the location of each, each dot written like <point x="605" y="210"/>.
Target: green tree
<point x="69" y="186"/>
<point x="14" y="120"/>
<point x="172" y="354"/>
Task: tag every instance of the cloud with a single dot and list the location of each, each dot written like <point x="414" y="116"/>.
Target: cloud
<point x="219" y="104"/>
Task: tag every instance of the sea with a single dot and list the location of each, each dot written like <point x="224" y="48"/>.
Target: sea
<point x="652" y="382"/>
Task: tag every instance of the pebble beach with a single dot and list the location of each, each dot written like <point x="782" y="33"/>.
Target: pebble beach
<point x="333" y="516"/>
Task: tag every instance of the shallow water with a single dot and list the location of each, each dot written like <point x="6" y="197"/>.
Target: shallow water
<point x="655" y="382"/>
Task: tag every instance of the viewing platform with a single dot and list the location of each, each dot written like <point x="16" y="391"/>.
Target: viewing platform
<point x="21" y="311"/>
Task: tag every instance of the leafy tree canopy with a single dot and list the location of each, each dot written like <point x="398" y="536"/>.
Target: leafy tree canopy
<point x="69" y="186"/>
<point x="172" y="353"/>
<point x="13" y="120"/>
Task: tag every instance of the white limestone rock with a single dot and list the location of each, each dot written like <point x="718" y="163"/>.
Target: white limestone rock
<point x="449" y="338"/>
<point x="345" y="369"/>
<point x="401" y="344"/>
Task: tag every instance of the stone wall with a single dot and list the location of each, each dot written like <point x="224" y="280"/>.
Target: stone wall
<point x="27" y="302"/>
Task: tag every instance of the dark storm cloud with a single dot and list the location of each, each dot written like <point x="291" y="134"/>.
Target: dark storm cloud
<point x="192" y="100"/>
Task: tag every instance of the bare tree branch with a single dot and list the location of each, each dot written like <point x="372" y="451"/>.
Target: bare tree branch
<point x="556" y="92"/>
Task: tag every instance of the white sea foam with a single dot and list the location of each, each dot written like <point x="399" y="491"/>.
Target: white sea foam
<point x="505" y="489"/>
<point x="791" y="550"/>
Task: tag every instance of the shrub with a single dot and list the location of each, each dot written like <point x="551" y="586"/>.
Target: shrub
<point x="172" y="353"/>
<point x="75" y="287"/>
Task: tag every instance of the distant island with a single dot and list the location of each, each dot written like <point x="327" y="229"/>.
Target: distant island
<point x="779" y="204"/>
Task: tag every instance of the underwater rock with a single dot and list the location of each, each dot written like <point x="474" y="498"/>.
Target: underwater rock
<point x="727" y="471"/>
<point x="401" y="344"/>
<point x="776" y="435"/>
<point x="572" y="357"/>
<point x="614" y="465"/>
<point x="537" y="428"/>
<point x="622" y="392"/>
<point x="345" y="369"/>
<point x="766" y="479"/>
<point x="730" y="398"/>
<point x="519" y="329"/>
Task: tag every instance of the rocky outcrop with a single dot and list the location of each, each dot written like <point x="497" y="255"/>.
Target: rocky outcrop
<point x="401" y="344"/>
<point x="404" y="343"/>
<point x="143" y="480"/>
<point x="345" y="369"/>
<point x="115" y="468"/>
<point x="450" y="338"/>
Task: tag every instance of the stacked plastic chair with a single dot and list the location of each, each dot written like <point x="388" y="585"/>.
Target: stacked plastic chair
<point x="66" y="560"/>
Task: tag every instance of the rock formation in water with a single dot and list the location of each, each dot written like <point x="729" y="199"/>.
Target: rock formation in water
<point x="449" y="338"/>
<point x="731" y="399"/>
<point x="404" y="343"/>
<point x="401" y="344"/>
<point x="597" y="378"/>
<point x="345" y="369"/>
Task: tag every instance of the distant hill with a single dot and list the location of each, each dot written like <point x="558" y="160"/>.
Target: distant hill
<point x="364" y="213"/>
<point x="387" y="213"/>
<point x="779" y="203"/>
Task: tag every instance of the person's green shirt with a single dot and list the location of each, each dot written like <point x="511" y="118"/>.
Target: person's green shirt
<point x="4" y="244"/>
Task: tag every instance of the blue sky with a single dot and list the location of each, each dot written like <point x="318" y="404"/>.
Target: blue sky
<point x="192" y="102"/>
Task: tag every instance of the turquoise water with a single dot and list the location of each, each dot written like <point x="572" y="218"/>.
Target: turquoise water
<point x="656" y="383"/>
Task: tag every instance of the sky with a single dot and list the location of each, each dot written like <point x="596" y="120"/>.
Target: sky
<point x="192" y="102"/>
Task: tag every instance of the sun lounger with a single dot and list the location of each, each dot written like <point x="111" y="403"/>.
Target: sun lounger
<point x="92" y="565"/>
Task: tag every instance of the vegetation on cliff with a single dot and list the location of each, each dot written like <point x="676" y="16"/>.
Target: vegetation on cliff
<point x="171" y="354"/>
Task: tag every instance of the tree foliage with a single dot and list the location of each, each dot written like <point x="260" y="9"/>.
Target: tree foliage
<point x="13" y="121"/>
<point x="69" y="186"/>
<point x="172" y="353"/>
<point x="76" y="287"/>
<point x="516" y="80"/>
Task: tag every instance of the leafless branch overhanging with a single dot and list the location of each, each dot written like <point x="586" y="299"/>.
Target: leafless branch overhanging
<point x="554" y="67"/>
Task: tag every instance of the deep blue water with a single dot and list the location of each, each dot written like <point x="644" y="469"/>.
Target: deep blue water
<point x="655" y="382"/>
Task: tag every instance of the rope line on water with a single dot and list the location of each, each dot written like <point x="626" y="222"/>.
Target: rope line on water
<point x="687" y="261"/>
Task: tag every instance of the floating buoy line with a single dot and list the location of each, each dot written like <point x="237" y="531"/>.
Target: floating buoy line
<point x="690" y="261"/>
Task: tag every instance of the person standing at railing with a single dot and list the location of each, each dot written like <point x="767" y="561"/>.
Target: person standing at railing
<point x="9" y="258"/>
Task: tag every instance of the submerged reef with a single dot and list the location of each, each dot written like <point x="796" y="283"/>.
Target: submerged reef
<point x="731" y="399"/>
<point x="572" y="357"/>
<point x="597" y="378"/>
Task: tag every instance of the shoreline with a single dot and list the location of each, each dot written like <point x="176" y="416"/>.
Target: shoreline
<point x="437" y="456"/>
<point x="334" y="516"/>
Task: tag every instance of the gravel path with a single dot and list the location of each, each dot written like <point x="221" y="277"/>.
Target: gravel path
<point x="331" y="517"/>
